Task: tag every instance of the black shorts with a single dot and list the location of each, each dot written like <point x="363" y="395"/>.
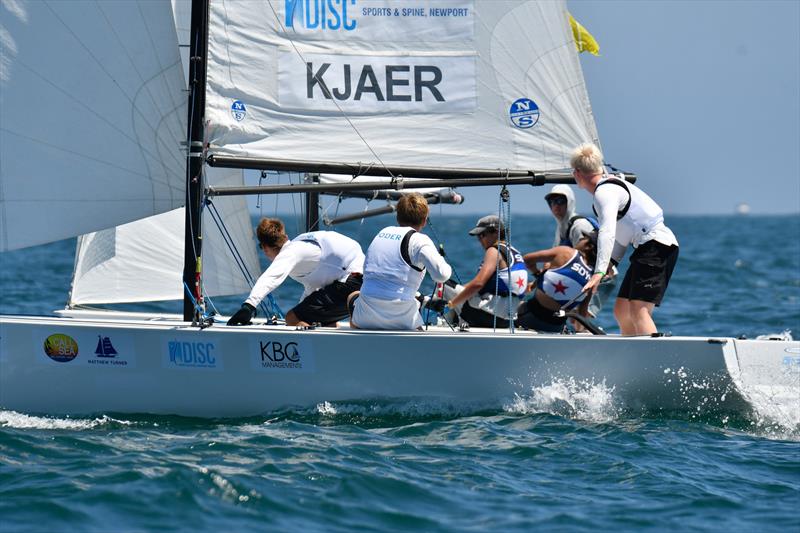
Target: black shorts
<point x="533" y="315"/>
<point x="648" y="275"/>
<point x="328" y="304"/>
<point x="477" y="318"/>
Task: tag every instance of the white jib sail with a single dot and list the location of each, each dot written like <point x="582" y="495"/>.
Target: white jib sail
<point x="143" y="261"/>
<point x="93" y="110"/>
<point x="446" y="83"/>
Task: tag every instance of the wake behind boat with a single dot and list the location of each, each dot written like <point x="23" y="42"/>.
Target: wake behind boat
<point x="371" y="96"/>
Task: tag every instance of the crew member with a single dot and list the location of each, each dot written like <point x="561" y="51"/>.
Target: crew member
<point x="493" y="295"/>
<point x="627" y="216"/>
<point x="572" y="227"/>
<point x="560" y="286"/>
<point x="394" y="269"/>
<point x="328" y="264"/>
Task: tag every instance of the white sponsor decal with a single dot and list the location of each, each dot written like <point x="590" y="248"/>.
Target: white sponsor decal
<point x="185" y="353"/>
<point x="70" y="347"/>
<point x="379" y="20"/>
<point x="275" y="355"/>
<point x="109" y="349"/>
<point x="377" y="84"/>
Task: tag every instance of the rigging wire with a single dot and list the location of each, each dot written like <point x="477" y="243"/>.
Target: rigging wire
<point x="504" y="214"/>
<point x="327" y="92"/>
<point x="270" y="308"/>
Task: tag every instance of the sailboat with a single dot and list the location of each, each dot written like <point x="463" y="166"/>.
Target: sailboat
<point x="460" y="92"/>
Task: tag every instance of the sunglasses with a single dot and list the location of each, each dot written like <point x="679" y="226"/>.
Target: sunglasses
<point x="557" y="200"/>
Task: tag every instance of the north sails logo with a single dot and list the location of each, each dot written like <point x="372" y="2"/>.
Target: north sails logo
<point x="238" y="110"/>
<point x="524" y="113"/>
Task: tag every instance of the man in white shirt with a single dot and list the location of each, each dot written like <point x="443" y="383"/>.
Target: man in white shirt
<point x="394" y="268"/>
<point x="328" y="264"/>
<point x="627" y="216"/>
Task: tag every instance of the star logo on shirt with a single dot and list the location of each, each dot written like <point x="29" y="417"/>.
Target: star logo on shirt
<point x="560" y="287"/>
<point x="520" y="283"/>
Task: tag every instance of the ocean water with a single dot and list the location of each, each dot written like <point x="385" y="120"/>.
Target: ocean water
<point x="564" y="457"/>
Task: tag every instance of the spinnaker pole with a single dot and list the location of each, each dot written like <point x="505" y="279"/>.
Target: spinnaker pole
<point x="193" y="243"/>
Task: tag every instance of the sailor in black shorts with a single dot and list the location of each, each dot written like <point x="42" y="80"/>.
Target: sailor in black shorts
<point x="328" y="264"/>
<point x="627" y="216"/>
<point x="648" y="275"/>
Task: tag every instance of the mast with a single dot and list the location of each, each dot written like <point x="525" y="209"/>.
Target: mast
<point x="192" y="264"/>
<point x="312" y="205"/>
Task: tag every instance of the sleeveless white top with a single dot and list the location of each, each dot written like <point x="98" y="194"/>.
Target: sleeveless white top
<point x="387" y="275"/>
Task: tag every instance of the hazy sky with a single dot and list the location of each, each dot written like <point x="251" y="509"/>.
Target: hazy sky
<point x="700" y="98"/>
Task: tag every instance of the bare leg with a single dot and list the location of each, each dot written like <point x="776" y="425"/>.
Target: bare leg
<point x="292" y="320"/>
<point x="641" y="314"/>
<point x="622" y="312"/>
<point x="350" y="297"/>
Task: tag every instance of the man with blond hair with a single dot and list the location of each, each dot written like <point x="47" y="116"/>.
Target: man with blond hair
<point x="394" y="269"/>
<point x="627" y="216"/>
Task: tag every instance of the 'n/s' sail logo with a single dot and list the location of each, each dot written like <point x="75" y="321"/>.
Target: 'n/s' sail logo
<point x="61" y="348"/>
<point x="238" y="110"/>
<point x="524" y="113"/>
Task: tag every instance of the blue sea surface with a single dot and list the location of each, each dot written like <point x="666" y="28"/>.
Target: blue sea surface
<point x="565" y="457"/>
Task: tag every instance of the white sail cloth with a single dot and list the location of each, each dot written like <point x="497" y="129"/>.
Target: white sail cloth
<point x="143" y="261"/>
<point x="446" y="83"/>
<point x="93" y="113"/>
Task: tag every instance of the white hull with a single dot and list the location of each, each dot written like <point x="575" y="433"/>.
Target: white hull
<point x="128" y="365"/>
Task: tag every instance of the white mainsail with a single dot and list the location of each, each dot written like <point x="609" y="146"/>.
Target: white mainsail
<point x="93" y="116"/>
<point x="451" y="83"/>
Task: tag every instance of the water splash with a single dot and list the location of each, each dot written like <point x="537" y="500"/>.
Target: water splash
<point x="13" y="419"/>
<point x="568" y="397"/>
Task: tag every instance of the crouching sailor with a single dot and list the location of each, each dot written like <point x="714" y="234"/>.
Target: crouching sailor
<point x="394" y="268"/>
<point x="560" y="286"/>
<point x="484" y="300"/>
<point x="328" y="264"/>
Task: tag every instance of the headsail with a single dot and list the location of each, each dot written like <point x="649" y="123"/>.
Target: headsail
<point x="450" y="83"/>
<point x="142" y="261"/>
<point x="93" y="112"/>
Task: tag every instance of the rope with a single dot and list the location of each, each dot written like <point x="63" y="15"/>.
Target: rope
<point x="441" y="246"/>
<point x="270" y="308"/>
<point x="506" y="219"/>
<point x="328" y="94"/>
<point x="504" y="214"/>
